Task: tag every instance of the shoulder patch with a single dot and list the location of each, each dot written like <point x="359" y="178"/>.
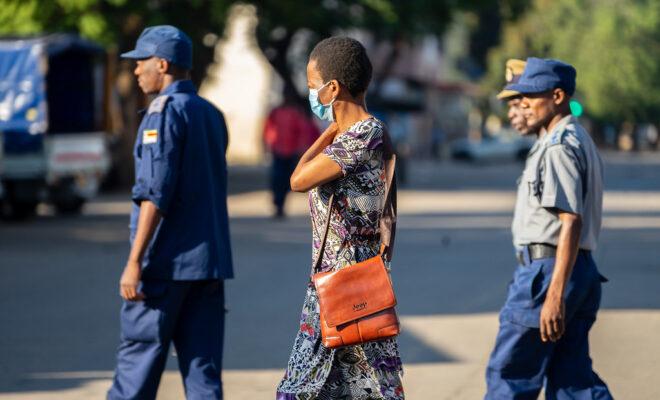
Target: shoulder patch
<point x="158" y="104"/>
<point x="557" y="137"/>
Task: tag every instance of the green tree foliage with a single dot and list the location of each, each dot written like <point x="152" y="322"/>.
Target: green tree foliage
<point x="614" y="45"/>
<point x="391" y="20"/>
<point x="117" y="23"/>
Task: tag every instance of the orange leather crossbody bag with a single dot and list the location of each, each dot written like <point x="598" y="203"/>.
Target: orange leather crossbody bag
<point x="357" y="302"/>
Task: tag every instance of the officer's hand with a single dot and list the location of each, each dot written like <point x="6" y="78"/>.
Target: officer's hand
<point x="552" y="323"/>
<point x="130" y="279"/>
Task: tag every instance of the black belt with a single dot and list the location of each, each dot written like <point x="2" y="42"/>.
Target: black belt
<point x="540" y="250"/>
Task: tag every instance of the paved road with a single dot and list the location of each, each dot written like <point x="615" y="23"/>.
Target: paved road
<point x="59" y="308"/>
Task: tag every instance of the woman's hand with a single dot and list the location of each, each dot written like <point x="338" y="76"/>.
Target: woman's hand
<point x="331" y="131"/>
<point x="315" y="168"/>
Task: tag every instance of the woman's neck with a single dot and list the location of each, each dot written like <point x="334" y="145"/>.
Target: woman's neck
<point x="347" y="113"/>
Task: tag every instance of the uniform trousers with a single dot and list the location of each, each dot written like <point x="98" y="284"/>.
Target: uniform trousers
<point x="188" y="313"/>
<point x="281" y="171"/>
<point x="521" y="364"/>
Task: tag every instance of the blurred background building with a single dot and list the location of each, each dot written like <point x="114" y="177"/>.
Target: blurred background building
<point x="68" y="120"/>
<point x="437" y="66"/>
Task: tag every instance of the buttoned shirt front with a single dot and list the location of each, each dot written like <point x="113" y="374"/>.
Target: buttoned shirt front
<point x="563" y="172"/>
<point x="180" y="166"/>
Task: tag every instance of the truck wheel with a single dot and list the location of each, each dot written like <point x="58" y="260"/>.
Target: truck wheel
<point x="69" y="206"/>
<point x="18" y="210"/>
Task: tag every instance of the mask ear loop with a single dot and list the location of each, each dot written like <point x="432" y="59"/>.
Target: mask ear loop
<point x="319" y="96"/>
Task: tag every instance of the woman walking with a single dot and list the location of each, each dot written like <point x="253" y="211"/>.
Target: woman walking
<point x="347" y="160"/>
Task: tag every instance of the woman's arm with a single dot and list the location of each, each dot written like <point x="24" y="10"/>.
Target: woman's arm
<point x="315" y="168"/>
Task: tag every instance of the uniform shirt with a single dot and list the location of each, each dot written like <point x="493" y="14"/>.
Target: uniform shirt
<point x="563" y="172"/>
<point x="180" y="166"/>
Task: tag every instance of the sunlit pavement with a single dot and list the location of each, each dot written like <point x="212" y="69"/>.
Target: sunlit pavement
<point x="59" y="308"/>
<point x="619" y="343"/>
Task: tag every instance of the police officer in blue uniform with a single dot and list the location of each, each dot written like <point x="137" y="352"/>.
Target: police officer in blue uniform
<point x="172" y="284"/>
<point x="555" y="294"/>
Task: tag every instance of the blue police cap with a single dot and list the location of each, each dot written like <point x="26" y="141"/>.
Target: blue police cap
<point x="164" y="41"/>
<point x="541" y="75"/>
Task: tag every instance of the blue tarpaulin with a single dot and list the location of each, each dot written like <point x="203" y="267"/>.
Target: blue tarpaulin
<point x="36" y="72"/>
<point x="23" y="114"/>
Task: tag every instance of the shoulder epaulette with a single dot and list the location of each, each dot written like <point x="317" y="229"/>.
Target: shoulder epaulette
<point x="158" y="104"/>
<point x="558" y="137"/>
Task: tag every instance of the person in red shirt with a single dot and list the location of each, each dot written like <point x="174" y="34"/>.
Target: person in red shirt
<point x="287" y="134"/>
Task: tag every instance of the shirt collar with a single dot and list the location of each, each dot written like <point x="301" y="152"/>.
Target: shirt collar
<point x="559" y="127"/>
<point x="180" y="86"/>
<point x="534" y="149"/>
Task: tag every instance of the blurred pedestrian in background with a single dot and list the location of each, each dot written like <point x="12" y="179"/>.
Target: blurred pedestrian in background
<point x="556" y="289"/>
<point x="398" y="126"/>
<point x="348" y="160"/>
<point x="172" y="284"/>
<point x="287" y="134"/>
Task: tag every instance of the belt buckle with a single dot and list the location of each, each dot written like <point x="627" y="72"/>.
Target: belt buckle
<point x="541" y="250"/>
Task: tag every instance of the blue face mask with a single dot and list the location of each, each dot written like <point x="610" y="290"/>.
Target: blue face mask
<point x="323" y="111"/>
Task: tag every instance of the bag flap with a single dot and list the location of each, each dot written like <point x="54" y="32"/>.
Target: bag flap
<point x="354" y="292"/>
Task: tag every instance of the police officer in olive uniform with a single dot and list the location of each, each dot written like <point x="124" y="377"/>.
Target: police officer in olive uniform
<point x="172" y="284"/>
<point x="555" y="294"/>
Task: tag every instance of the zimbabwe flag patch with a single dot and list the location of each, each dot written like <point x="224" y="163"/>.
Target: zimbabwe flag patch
<point x="149" y="136"/>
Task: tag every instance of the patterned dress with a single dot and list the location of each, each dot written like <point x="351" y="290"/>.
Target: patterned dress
<point x="372" y="370"/>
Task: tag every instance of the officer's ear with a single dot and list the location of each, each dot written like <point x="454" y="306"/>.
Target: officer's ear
<point x="559" y="96"/>
<point x="162" y="66"/>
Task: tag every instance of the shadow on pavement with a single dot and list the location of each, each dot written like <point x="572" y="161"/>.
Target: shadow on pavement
<point x="59" y="304"/>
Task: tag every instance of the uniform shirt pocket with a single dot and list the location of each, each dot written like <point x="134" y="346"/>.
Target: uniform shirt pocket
<point x="533" y="184"/>
<point x="524" y="288"/>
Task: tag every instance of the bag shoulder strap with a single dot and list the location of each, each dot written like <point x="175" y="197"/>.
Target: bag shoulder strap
<point x="387" y="219"/>
<point x="389" y="215"/>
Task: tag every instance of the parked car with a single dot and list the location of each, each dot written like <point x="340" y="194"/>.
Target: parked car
<point x="507" y="145"/>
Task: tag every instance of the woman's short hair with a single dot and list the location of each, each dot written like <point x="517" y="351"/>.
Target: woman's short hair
<point x="345" y="60"/>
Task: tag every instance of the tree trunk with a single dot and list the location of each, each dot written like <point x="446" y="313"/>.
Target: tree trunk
<point x="387" y="67"/>
<point x="278" y="60"/>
